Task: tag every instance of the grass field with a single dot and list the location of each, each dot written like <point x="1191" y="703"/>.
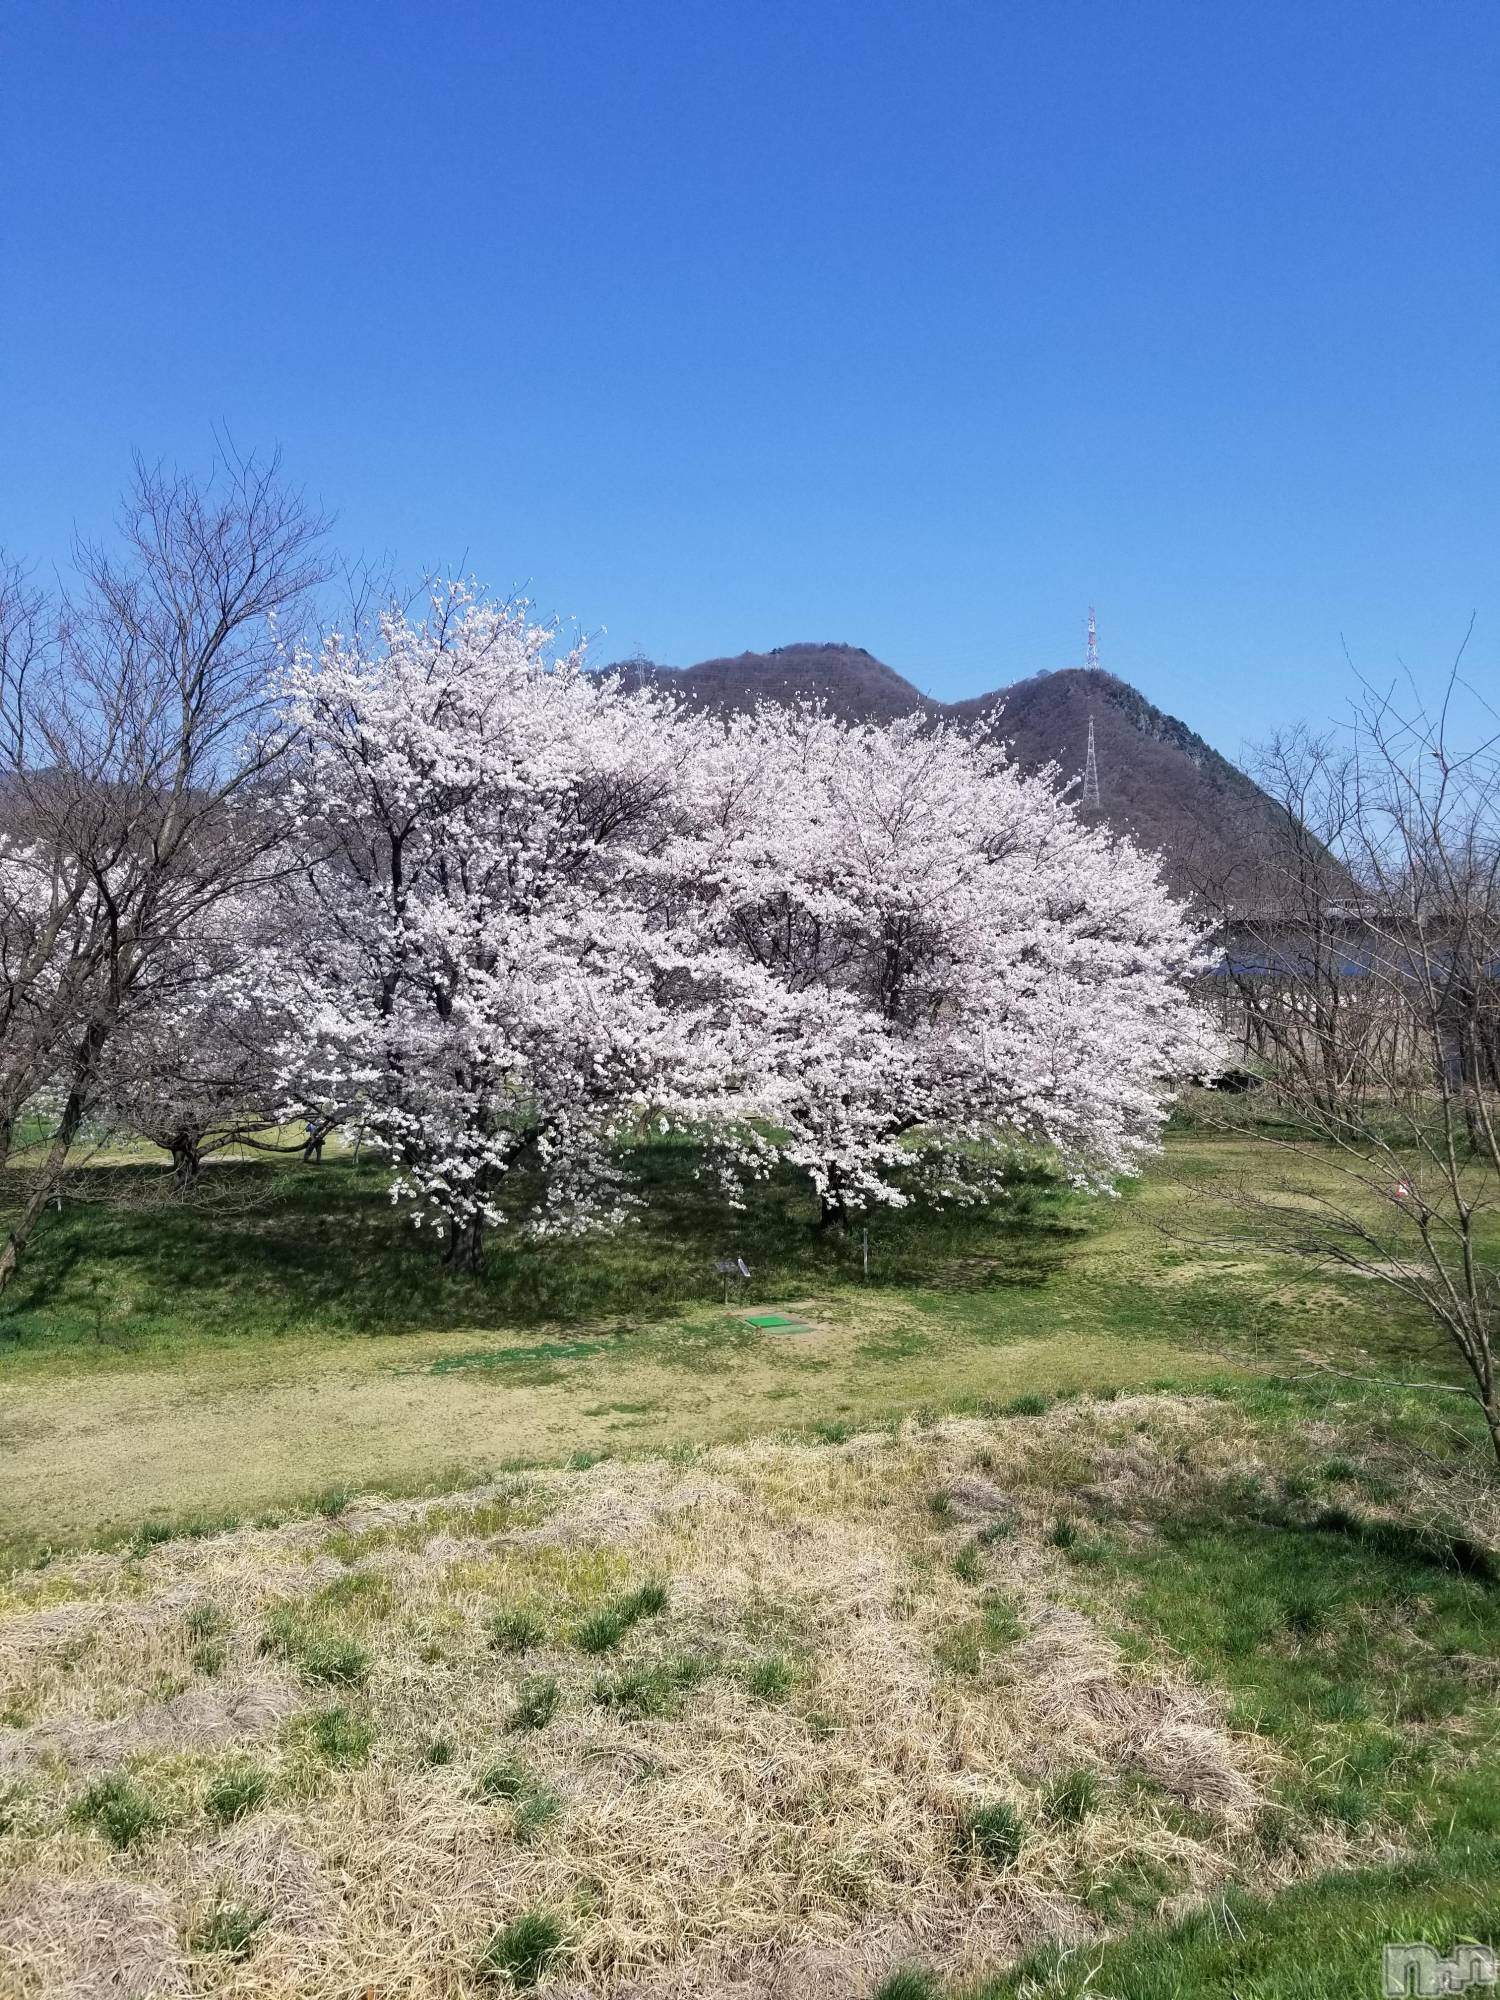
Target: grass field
<point x="1054" y="1610"/>
<point x="288" y="1332"/>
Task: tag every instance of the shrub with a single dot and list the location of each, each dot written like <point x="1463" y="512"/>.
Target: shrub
<point x="230" y="1930"/>
<point x="993" y="1833"/>
<point x="536" y="1702"/>
<point x="235" y="1792"/>
<point x="339" y="1736"/>
<point x="522" y="1950"/>
<point x="119" y="1809"/>
<point x="515" y="1630"/>
<point x="1071" y="1798"/>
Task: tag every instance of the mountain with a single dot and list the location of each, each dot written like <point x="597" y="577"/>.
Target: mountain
<point x="849" y="681"/>
<point x="1159" y="781"/>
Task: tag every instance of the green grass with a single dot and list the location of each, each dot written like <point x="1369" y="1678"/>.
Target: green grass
<point x="230" y="1930"/>
<point x="770" y="1678"/>
<point x="1319" y="1941"/>
<point x="907" y="1983"/>
<point x="189" y="1335"/>
<point x="1360" y="1649"/>
<point x="516" y="1629"/>
<point x="602" y="1630"/>
<point x="269" y="1253"/>
<point x="522" y="1950"/>
<point x="322" y="1657"/>
<point x="657" y="1688"/>
<point x="537" y="1700"/>
<point x="235" y="1792"/>
<point x="1070" y="1799"/>
<point x="338" y="1735"/>
<point x="992" y="1833"/>
<point x="119" y="1808"/>
<point x="183" y="1340"/>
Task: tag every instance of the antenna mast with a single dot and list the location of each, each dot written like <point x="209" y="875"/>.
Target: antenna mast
<point x="1090" y="798"/>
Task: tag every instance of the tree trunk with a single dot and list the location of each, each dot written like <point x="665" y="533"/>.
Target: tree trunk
<point x="833" y="1209"/>
<point x="49" y="1177"/>
<point x="466" y="1246"/>
<point x="186" y="1158"/>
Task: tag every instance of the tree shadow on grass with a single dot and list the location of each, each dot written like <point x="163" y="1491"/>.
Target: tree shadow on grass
<point x="268" y="1249"/>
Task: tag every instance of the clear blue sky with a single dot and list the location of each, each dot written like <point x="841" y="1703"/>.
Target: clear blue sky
<point x="729" y="322"/>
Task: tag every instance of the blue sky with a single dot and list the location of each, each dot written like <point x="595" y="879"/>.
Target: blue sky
<point x="721" y="325"/>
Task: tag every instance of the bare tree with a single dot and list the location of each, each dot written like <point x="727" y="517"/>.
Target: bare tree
<point x="140" y="750"/>
<point x="1369" y="975"/>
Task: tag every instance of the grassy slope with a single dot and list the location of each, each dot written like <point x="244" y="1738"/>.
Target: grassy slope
<point x="288" y="1331"/>
<point x="293" y="1334"/>
<point x="731" y="1719"/>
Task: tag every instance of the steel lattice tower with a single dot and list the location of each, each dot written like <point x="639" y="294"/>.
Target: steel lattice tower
<point x="1090" y="799"/>
<point x="1090" y="773"/>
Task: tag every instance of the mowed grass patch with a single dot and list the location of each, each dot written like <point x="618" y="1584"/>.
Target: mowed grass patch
<point x="289" y="1332"/>
<point x="803" y="1684"/>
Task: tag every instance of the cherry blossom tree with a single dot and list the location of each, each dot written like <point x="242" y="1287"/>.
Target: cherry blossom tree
<point x="491" y="972"/>
<point x="961" y="961"/>
<point x="538" y="912"/>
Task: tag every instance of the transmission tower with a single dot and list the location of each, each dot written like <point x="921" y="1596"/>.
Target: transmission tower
<point x="1090" y="800"/>
<point x="1090" y="773"/>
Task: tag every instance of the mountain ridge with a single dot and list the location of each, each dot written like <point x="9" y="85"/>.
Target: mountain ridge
<point x="1161" y="783"/>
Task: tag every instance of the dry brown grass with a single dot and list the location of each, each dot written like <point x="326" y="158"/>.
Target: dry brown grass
<point x="727" y="1844"/>
<point x="241" y="1431"/>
